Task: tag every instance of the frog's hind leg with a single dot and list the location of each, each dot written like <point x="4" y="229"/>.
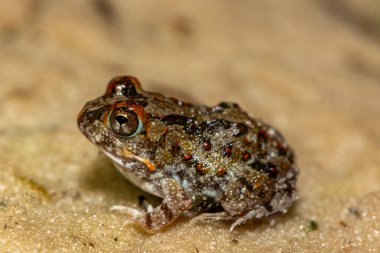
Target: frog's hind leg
<point x="246" y="196"/>
<point x="175" y="202"/>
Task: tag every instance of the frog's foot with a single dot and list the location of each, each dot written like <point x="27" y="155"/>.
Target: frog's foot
<point x="253" y="214"/>
<point x="132" y="212"/>
<point x="211" y="216"/>
<point x="175" y="202"/>
<point x="128" y="210"/>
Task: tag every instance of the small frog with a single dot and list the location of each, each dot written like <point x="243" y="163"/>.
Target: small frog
<point x="217" y="162"/>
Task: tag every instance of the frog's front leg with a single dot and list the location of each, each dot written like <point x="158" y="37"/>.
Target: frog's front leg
<point x="175" y="202"/>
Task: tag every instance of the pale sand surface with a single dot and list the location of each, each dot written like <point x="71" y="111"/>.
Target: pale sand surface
<point x="310" y="68"/>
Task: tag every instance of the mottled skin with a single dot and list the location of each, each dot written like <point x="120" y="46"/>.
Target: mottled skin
<point x="217" y="161"/>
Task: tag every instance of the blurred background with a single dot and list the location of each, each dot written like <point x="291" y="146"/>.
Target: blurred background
<point x="310" y="68"/>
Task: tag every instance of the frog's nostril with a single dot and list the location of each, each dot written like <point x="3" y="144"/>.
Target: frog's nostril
<point x="96" y="114"/>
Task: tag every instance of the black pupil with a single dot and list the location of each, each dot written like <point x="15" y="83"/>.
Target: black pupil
<point x="124" y="122"/>
<point x="121" y="119"/>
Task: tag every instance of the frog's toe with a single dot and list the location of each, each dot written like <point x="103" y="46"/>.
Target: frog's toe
<point x="136" y="216"/>
<point x="253" y="214"/>
<point x="128" y="210"/>
<point x="210" y="216"/>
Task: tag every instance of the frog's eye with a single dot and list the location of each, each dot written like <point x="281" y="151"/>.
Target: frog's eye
<point x="125" y="122"/>
<point x="127" y="86"/>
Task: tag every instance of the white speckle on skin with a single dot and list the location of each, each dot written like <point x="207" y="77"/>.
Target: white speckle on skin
<point x="273" y="153"/>
<point x="156" y="175"/>
<point x="185" y="184"/>
<point x="176" y="178"/>
<point x="98" y="138"/>
<point x="271" y="131"/>
<point x="210" y="193"/>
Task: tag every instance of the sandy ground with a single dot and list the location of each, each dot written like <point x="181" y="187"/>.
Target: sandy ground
<point x="310" y="68"/>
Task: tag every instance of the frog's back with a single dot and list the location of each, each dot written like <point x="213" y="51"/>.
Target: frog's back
<point x="206" y="148"/>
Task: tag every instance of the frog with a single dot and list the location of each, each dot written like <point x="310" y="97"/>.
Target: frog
<point x="215" y="162"/>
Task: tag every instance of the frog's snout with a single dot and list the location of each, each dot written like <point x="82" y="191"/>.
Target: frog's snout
<point x="88" y="116"/>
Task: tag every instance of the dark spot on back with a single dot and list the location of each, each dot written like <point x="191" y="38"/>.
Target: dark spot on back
<point x="191" y="128"/>
<point x="210" y="125"/>
<point x="263" y="134"/>
<point x="175" y="149"/>
<point x="245" y="183"/>
<point x="220" y="107"/>
<point x="267" y="168"/>
<point x="227" y="150"/>
<point x="240" y="129"/>
<point x="246" y="156"/>
<point x="206" y="144"/>
<point x="282" y="151"/>
<point x="174" y="119"/>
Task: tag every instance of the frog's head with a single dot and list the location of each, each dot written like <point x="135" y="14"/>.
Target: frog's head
<point x="117" y="123"/>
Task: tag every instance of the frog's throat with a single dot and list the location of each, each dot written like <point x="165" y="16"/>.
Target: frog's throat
<point x="139" y="182"/>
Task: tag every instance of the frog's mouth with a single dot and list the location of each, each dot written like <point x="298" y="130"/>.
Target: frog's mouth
<point x="134" y="171"/>
<point x="120" y="159"/>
